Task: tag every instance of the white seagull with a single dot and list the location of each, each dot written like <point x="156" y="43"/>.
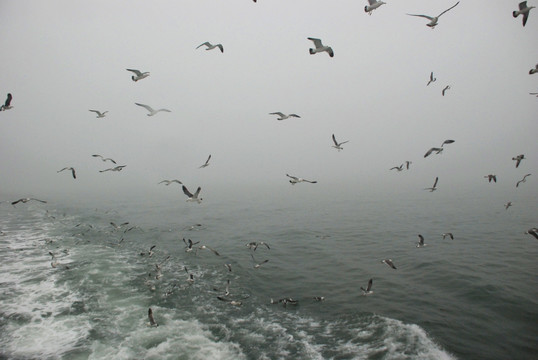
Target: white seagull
<point x="294" y="180"/>
<point x="103" y="158"/>
<point x="282" y="116"/>
<point x="534" y="71"/>
<point x="320" y="47"/>
<point x="210" y="46"/>
<point x="138" y="74"/>
<point x="150" y="109"/>
<point x="72" y="171"/>
<point x="434" y="19"/>
<point x="491" y="177"/>
<point x="432" y="79"/>
<point x="7" y="104"/>
<point x="337" y="145"/>
<point x="372" y="5"/>
<point x="434" y="187"/>
<point x="368" y="289"/>
<point x="389" y="263"/>
<point x="522" y="180"/>
<point x="116" y="168"/>
<point x="192" y="197"/>
<point x="518" y="159"/>
<point x="421" y="241"/>
<point x="445" y="89"/>
<point x="523" y="10"/>
<point x="99" y="114"/>
<point x="206" y="164"/>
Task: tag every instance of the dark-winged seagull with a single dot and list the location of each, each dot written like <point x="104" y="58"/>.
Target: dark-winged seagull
<point x="518" y="159"/>
<point x="256" y="264"/>
<point x="116" y="168"/>
<point x="447" y="142"/>
<point x="210" y="46"/>
<point x="282" y="116"/>
<point x="368" y="289"/>
<point x="491" y="177"/>
<point x="319" y="47"/>
<point x="168" y="182"/>
<point x="398" y="168"/>
<point x="450" y="235"/>
<point x="152" y="321"/>
<point x="7" y="104"/>
<point x="254" y="245"/>
<point x="432" y="79"/>
<point x="190" y="278"/>
<point x="72" y="171"/>
<point x="338" y="145"/>
<point x="99" y="114"/>
<point x="389" y="263"/>
<point x="206" y="164"/>
<point x="372" y="5"/>
<point x="533" y="232"/>
<point x="421" y="241"/>
<point x="534" y="70"/>
<point x="434" y="187"/>
<point x="151" y="110"/>
<point x="294" y="180"/>
<point x="523" y="10"/>
<point x="104" y="159"/>
<point x="25" y="200"/>
<point x="407" y="163"/>
<point x="192" y="197"/>
<point x="138" y="75"/>
<point x="522" y="180"/>
<point x="437" y="151"/>
<point x="434" y="19"/>
<point x="507" y="205"/>
<point x="189" y="244"/>
<point x="445" y="89"/>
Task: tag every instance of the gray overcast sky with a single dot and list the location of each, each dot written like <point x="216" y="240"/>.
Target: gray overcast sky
<point x="62" y="58"/>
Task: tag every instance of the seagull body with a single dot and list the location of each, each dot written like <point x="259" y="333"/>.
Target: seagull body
<point x="138" y="75"/>
<point x="421" y="241"/>
<point x="447" y="142"/>
<point x="445" y="89"/>
<point x="534" y="71"/>
<point x="151" y="110"/>
<point x="372" y="5"/>
<point x="168" y="182"/>
<point x="294" y="180"/>
<point x="210" y="46"/>
<point x="282" y="116"/>
<point x="522" y="180"/>
<point x="337" y="145"/>
<point x="523" y="10"/>
<point x="192" y="197"/>
<point x="434" y="19"/>
<point x="533" y="232"/>
<point x="103" y="158"/>
<point x="320" y="47"/>
<point x="152" y="321"/>
<point x="518" y="159"/>
<point x="398" y="168"/>
<point x="7" y="104"/>
<point x="434" y="187"/>
<point x="437" y="151"/>
<point x="72" y="171"/>
<point x="25" y="200"/>
<point x="507" y="205"/>
<point x="206" y="164"/>
<point x="449" y="235"/>
<point x="432" y="79"/>
<point x="368" y="289"/>
<point x="389" y="263"/>
<point x="99" y="114"/>
<point x="491" y="177"/>
<point x="116" y="168"/>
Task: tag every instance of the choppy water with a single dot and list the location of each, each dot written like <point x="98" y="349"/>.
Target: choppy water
<point x="470" y="298"/>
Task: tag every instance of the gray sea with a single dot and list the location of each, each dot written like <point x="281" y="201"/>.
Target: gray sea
<point x="474" y="297"/>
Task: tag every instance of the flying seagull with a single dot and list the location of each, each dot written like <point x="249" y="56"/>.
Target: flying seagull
<point x="103" y="158"/>
<point x="421" y="241"/>
<point x="151" y="319"/>
<point x="434" y="187"/>
<point x="72" y="171"/>
<point x="256" y="264"/>
<point x="210" y="46"/>
<point x="368" y="289"/>
<point x="337" y="145"/>
<point x="138" y="74"/>
<point x="206" y="162"/>
<point x="518" y="159"/>
<point x="534" y="71"/>
<point x="191" y="276"/>
<point x="523" y="10"/>
<point x="536" y="93"/>
<point x="205" y="247"/>
<point x="407" y="163"/>
<point x="320" y="47"/>
<point x="398" y="168"/>
<point x="150" y="252"/>
<point x="99" y="114"/>
<point x="192" y="197"/>
<point x="434" y="19"/>
<point x="507" y="205"/>
<point x="449" y="235"/>
<point x="522" y="180"/>
<point x="432" y="79"/>
<point x="25" y="200"/>
<point x="447" y="142"/>
<point x="168" y="182"/>
<point x="150" y="109"/>
<point x="533" y="232"/>
<point x="7" y="104"/>
<point x="189" y="244"/>
<point x="445" y="89"/>
<point x="437" y="151"/>
<point x="117" y="227"/>
<point x="254" y="245"/>
<point x="491" y="177"/>
<point x="282" y="116"/>
<point x="294" y="180"/>
<point x="372" y="5"/>
<point x="389" y="263"/>
<point x="116" y="168"/>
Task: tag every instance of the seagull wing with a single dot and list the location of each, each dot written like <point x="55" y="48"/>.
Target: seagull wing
<point x="147" y="107"/>
<point x="424" y="16"/>
<point x="317" y="42"/>
<point x="522" y="5"/>
<point x="138" y="73"/>
<point x="8" y="100"/>
<point x="293" y="177"/>
<point x="207" y="161"/>
<point x="151" y="319"/>
<point x="206" y="44"/>
<point x="197" y="192"/>
<point x="369" y="285"/>
<point x="525" y="17"/>
<point x="334" y="140"/>
<point x="429" y="152"/>
<point x="450" y="8"/>
<point x="220" y="47"/>
<point x="277" y="113"/>
<point x="435" y="183"/>
<point x="186" y="191"/>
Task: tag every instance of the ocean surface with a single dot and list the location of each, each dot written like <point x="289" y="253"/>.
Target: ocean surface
<point x="474" y="297"/>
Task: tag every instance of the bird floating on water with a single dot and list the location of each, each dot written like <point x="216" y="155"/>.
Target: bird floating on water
<point x="206" y="164"/>
<point x="210" y="46"/>
<point x="103" y="158"/>
<point x="522" y="180"/>
<point x="368" y="289"/>
<point x="138" y="74"/>
<point x="72" y="171"/>
<point x="294" y="180"/>
<point x="434" y="187"/>
<point x="282" y="116"/>
<point x="151" y="110"/>
<point x="434" y="19"/>
<point x="421" y="241"/>
<point x="432" y="79"/>
<point x="523" y="10"/>
<point x="389" y="263"/>
<point x="372" y="5"/>
<point x="491" y="177"/>
<point x="518" y="159"/>
<point x="192" y="197"/>
<point x="320" y="47"/>
<point x="99" y="114"/>
<point x="337" y="145"/>
<point x="7" y="104"/>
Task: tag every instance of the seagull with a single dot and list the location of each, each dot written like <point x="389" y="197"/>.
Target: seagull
<point x="257" y="265"/>
<point x="150" y="252"/>
<point x="449" y="235"/>
<point x="285" y="301"/>
<point x="407" y="163"/>
<point x="389" y="263"/>
<point x="151" y="319"/>
<point x="229" y="267"/>
<point x="434" y="187"/>
<point x="491" y="177"/>
<point x="103" y="158"/>
<point x="373" y="4"/>
<point x="320" y="47"/>
<point x="191" y="196"/>
<point x="534" y="71"/>
<point x="445" y="89"/>
<point x="206" y="162"/>
<point x="447" y="142"/>
<point x="507" y="205"/>
<point x="523" y="10"/>
<point x="232" y="302"/>
<point x="284" y="116"/>
<point x="319" y="298"/>
<point x="432" y="79"/>
<point x="211" y="47"/>
<point x="437" y="151"/>
<point x="7" y="104"/>
<point x="421" y="241"/>
<point x="150" y="109"/>
<point x="522" y="180"/>
<point x="368" y="289"/>
<point x="536" y="93"/>
<point x="117" y="227"/>
<point x="168" y="182"/>
<point x="69" y="168"/>
<point x="518" y="159"/>
<point x="533" y="232"/>
<point x="399" y="168"/>
<point x="99" y="114"/>
<point x="294" y="180"/>
<point x="116" y="168"/>
<point x="25" y="200"/>
<point x="189" y="244"/>
<point x="205" y="247"/>
<point x="191" y="276"/>
<point x="434" y="19"/>
<point x="254" y="245"/>
<point x="226" y="290"/>
<point x="139" y="75"/>
<point x="338" y="145"/>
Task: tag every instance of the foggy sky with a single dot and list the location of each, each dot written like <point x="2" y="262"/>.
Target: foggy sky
<point x="62" y="58"/>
